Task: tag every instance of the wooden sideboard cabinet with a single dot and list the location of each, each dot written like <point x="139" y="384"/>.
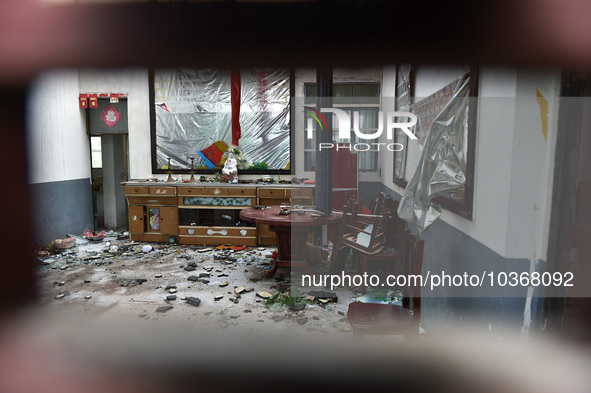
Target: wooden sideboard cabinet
<point x="203" y="213"/>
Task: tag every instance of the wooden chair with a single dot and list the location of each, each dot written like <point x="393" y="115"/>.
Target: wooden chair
<point x="386" y="319"/>
<point x="362" y="233"/>
<point x="386" y="262"/>
<point x="340" y="251"/>
<point x="365" y="233"/>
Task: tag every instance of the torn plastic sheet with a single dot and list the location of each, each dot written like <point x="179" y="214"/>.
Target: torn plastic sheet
<point x="193" y="111"/>
<point x="441" y="169"/>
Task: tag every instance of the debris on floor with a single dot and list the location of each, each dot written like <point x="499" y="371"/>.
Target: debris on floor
<point x="221" y="286"/>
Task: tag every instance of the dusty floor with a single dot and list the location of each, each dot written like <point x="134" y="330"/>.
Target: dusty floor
<point x="115" y="280"/>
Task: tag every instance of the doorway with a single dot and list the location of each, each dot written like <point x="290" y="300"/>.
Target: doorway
<point x="110" y="164"/>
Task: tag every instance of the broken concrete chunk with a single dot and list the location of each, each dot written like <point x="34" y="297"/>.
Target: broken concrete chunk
<point x="88" y="297"/>
<point x="239" y="290"/>
<point x="158" y="276"/>
<point x="164" y="308"/>
<point x="193" y="278"/>
<point x="190" y="268"/>
<point x="201" y="275"/>
<point x="171" y="297"/>
<point x="195" y="301"/>
<point x="172" y="290"/>
<point x="218" y="297"/>
<point x="330" y="296"/>
<point x="298" y="307"/>
<point x="204" y="250"/>
<point x="224" y="284"/>
<point x="264" y="294"/>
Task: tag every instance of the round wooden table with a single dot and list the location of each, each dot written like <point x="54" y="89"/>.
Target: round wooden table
<point x="290" y="231"/>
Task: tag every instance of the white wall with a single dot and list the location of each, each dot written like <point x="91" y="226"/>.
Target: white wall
<point x="57" y="143"/>
<point x="513" y="172"/>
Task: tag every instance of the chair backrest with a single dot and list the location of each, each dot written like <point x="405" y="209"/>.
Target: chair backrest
<point x="357" y="235"/>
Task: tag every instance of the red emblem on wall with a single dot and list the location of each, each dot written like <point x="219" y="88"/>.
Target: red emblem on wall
<point x="111" y="116"/>
<point x="93" y="98"/>
<point x="84" y="101"/>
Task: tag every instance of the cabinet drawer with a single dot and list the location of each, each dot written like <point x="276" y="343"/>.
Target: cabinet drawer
<point x="215" y="191"/>
<point x="273" y="201"/>
<point x="243" y="191"/>
<point x="130" y="190"/>
<point x="162" y="190"/>
<point x="302" y="191"/>
<point x="152" y="200"/>
<point x="220" y="232"/>
<point x="272" y="192"/>
<point x="190" y="191"/>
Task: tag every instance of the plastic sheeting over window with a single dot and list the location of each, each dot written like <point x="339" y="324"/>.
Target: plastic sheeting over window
<point x="194" y="110"/>
<point x="441" y="169"/>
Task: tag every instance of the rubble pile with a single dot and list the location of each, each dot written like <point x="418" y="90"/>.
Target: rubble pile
<point x="113" y="277"/>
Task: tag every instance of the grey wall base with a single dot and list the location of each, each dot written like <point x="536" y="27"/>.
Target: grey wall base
<point x="447" y="249"/>
<point x="59" y="208"/>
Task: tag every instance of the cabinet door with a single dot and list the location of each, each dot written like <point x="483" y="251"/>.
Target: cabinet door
<point x="136" y="219"/>
<point x="169" y="220"/>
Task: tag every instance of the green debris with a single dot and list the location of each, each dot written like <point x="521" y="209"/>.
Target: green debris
<point x="281" y="300"/>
